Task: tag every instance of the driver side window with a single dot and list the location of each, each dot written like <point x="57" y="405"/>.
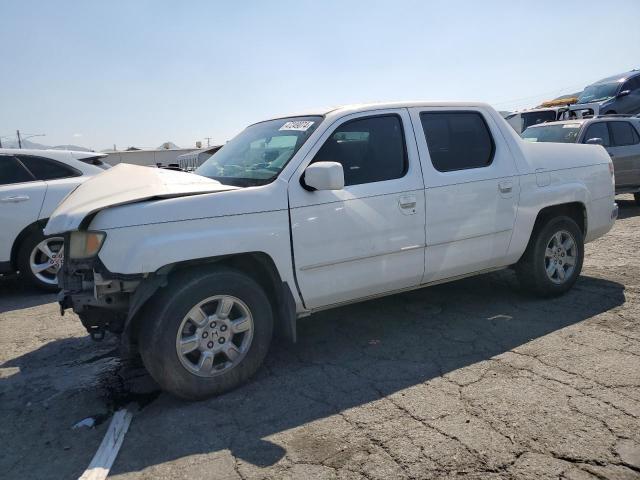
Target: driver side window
<point x="370" y="149"/>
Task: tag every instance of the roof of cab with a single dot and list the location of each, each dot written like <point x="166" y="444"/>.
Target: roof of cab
<point x="363" y="107"/>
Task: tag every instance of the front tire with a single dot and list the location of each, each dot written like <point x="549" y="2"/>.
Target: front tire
<point x="553" y="259"/>
<point x="207" y="336"/>
<point x="39" y="260"/>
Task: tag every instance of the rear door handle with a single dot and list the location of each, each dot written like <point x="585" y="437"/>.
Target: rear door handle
<point x="15" y="199"/>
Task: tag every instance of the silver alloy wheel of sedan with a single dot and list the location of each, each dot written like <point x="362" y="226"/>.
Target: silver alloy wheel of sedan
<point x="215" y="335"/>
<point x="46" y="259"/>
<point x="560" y="257"/>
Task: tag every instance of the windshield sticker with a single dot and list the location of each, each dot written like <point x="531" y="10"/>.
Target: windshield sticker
<point x="300" y="126"/>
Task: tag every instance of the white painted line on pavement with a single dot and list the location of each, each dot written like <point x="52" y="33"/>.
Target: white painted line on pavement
<point x="101" y="463"/>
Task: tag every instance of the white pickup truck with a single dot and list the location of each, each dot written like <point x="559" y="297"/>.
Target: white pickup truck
<point x="304" y="213"/>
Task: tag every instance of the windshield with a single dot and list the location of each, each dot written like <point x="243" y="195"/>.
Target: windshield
<point x="598" y="92"/>
<point x="560" y="133"/>
<point x="257" y="154"/>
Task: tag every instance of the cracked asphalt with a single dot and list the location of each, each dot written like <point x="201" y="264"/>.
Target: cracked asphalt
<point x="473" y="379"/>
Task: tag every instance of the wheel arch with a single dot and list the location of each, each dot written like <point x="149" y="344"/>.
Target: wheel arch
<point x="257" y="265"/>
<point x="577" y="211"/>
<point x="34" y="227"/>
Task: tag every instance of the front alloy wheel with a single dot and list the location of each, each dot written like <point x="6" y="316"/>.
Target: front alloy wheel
<point x="215" y="335"/>
<point x="206" y="332"/>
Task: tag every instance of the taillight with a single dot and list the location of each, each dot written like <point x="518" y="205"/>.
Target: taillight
<point x="613" y="174"/>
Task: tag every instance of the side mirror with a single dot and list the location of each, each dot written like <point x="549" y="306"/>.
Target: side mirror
<point x="324" y="176"/>
<point x="595" y="141"/>
<point x="623" y="93"/>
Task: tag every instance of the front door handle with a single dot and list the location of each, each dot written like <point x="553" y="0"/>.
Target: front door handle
<point x="505" y="187"/>
<point x="407" y="204"/>
<point x="15" y="199"/>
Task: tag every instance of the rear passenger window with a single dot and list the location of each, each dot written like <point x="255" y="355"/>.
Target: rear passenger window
<point x="457" y="140"/>
<point x="11" y="171"/>
<point x="47" y="169"/>
<point x="622" y="133"/>
<point x="598" y="130"/>
<point x="370" y="149"/>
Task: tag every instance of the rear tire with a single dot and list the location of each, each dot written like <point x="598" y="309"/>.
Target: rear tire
<point x="553" y="259"/>
<point x="195" y="350"/>
<point x="35" y="254"/>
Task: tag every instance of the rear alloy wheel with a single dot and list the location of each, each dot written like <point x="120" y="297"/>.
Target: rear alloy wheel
<point x="560" y="257"/>
<point x="39" y="260"/>
<point x="553" y="259"/>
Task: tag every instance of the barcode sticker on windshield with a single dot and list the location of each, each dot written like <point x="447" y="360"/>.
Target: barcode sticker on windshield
<point x="301" y="125"/>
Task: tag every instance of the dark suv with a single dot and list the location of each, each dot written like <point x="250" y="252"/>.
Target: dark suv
<point x="620" y="136"/>
<point x="617" y="94"/>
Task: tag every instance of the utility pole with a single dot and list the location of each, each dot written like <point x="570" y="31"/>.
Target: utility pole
<point x="208" y="139"/>
<point x="19" y="141"/>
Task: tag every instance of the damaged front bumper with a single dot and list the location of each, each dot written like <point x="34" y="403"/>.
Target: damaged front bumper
<point x="100" y="298"/>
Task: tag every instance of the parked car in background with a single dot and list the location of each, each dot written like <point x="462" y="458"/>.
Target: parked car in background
<point x="522" y="120"/>
<point x="616" y="94"/>
<point x="620" y="136"/>
<point x="300" y="214"/>
<point x="32" y="183"/>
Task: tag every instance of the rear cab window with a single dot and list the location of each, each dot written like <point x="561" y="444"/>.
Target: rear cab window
<point x="457" y="140"/>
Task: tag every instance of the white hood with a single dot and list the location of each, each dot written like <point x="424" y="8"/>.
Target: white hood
<point x="123" y="184"/>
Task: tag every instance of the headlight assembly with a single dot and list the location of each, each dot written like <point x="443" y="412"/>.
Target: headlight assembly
<point x="83" y="244"/>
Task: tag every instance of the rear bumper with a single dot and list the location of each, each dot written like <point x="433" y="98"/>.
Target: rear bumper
<point x="602" y="214"/>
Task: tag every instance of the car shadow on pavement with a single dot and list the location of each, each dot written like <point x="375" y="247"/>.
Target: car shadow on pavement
<point x="350" y="357"/>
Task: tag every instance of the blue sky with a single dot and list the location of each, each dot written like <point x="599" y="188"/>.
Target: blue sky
<point x="98" y="73"/>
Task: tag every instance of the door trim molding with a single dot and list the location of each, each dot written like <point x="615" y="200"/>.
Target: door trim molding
<point x="360" y="257"/>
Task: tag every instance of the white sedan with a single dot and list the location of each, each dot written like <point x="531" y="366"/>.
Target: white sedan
<point x="32" y="184"/>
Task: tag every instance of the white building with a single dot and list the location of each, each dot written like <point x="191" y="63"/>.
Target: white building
<point x="192" y="160"/>
<point x="147" y="157"/>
